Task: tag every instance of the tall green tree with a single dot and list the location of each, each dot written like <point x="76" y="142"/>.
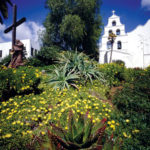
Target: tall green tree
<point x="73" y="24"/>
<point x="4" y="9"/>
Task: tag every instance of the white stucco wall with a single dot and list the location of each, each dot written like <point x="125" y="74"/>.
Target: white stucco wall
<point x="28" y="44"/>
<point x="135" y="50"/>
<point x="139" y="45"/>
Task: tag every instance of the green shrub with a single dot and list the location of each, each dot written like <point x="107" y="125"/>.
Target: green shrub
<point x="119" y="62"/>
<point x="134" y="103"/>
<point x="33" y="61"/>
<point x="114" y="73"/>
<point x="133" y="74"/>
<point x="5" y="61"/>
<point x="46" y="56"/>
<point x="18" y="81"/>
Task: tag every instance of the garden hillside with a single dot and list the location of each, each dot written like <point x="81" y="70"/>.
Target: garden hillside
<point x="73" y="104"/>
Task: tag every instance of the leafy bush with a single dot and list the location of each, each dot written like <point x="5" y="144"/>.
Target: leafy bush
<point x="114" y="73"/>
<point x="46" y="56"/>
<point x="119" y="62"/>
<point x="134" y="103"/>
<point x="33" y="61"/>
<point x="6" y="60"/>
<point x="18" y="81"/>
<point x="133" y="74"/>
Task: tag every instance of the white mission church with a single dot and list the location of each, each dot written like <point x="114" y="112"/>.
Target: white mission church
<point x="133" y="48"/>
<point x="31" y="48"/>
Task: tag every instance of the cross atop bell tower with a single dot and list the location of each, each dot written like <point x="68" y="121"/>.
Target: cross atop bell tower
<point x="113" y="12"/>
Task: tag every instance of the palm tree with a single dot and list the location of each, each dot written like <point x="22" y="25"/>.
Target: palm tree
<point x="4" y="9"/>
<point x="111" y="38"/>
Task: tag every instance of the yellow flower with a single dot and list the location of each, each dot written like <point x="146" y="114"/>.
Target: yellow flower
<point x="8" y="135"/>
<point x="14" y="123"/>
<point x="66" y="128"/>
<point x="113" y="121"/>
<point x="42" y="132"/>
<point x="117" y="124"/>
<point x="24" y="133"/>
<point x="28" y="131"/>
<point x="112" y="126"/>
<point x="135" y="131"/>
<point x="93" y="121"/>
<point x="109" y="122"/>
<point x="124" y="134"/>
<point x="127" y="120"/>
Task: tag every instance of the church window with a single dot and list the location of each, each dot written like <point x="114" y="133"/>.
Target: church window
<point x="32" y="51"/>
<point x="0" y="53"/>
<point x="114" y="23"/>
<point x="110" y="31"/>
<point x="118" y="32"/>
<point x="119" y="45"/>
<point x="108" y="45"/>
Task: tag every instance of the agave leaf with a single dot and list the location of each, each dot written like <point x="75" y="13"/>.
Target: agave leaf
<point x="74" y="129"/>
<point x="108" y="146"/>
<point x="78" y="138"/>
<point x="89" y="76"/>
<point x="80" y="124"/>
<point x="98" y="147"/>
<point x="70" y="123"/>
<point x="57" y="140"/>
<point x="87" y="131"/>
<point x="91" y="141"/>
<point x="57" y="72"/>
<point x="98" y="126"/>
<point x="59" y="131"/>
<point x="73" y="146"/>
<point x="99" y="132"/>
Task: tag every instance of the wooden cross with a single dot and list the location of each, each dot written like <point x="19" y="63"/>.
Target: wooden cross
<point x="14" y="25"/>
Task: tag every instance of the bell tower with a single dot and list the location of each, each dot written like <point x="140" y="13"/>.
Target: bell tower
<point x="120" y="44"/>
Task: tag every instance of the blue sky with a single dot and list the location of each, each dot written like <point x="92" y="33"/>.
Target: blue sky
<point x="131" y="12"/>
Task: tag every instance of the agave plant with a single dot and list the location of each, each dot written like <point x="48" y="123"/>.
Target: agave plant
<point x="79" y="63"/>
<point x="89" y="72"/>
<point x="81" y="134"/>
<point x="63" y="78"/>
<point x="73" y="59"/>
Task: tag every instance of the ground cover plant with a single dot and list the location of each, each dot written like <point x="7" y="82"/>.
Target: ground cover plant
<point x="22" y="116"/>
<point x="26" y="116"/>
<point x="18" y="81"/>
<point x="114" y="73"/>
<point x="134" y="103"/>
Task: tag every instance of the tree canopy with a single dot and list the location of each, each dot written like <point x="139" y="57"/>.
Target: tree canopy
<point x="73" y="24"/>
<point x="4" y="9"/>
